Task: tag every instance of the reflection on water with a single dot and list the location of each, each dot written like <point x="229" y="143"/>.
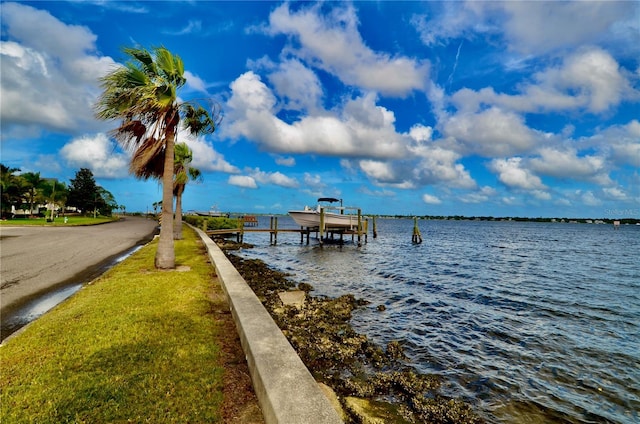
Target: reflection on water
<point x="530" y="322"/>
<point x="33" y="309"/>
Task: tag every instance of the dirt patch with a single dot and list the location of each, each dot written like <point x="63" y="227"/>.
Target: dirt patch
<point x="240" y="404"/>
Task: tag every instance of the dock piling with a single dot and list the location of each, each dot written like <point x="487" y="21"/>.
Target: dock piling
<point x="375" y="230"/>
<point x="416" y="238"/>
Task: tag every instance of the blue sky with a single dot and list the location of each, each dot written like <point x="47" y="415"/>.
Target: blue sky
<point x="437" y="108"/>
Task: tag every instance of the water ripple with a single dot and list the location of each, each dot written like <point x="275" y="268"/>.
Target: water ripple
<point x="532" y="323"/>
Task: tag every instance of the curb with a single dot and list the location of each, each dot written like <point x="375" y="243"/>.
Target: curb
<point x="286" y="390"/>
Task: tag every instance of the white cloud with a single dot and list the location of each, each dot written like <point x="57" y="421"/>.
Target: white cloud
<point x="421" y="133"/>
<point x="620" y="143"/>
<point x="314" y="185"/>
<point x="529" y="27"/>
<point x="589" y="79"/>
<point x="242" y="181"/>
<point x="334" y="44"/>
<point x="588" y="198"/>
<point x="541" y="194"/>
<point x="439" y="165"/>
<point x="297" y="86"/>
<point x="276" y="178"/>
<point x="98" y="154"/>
<point x="285" y="161"/>
<point x="536" y="27"/>
<point x="205" y="157"/>
<point x="591" y="76"/>
<point x="512" y="174"/>
<point x="565" y="163"/>
<point x="195" y="82"/>
<point x="430" y="200"/>
<point x="511" y="201"/>
<point x="480" y="196"/>
<point x="379" y="171"/>
<point x="49" y="72"/>
<point x="361" y="129"/>
<point x="193" y="26"/>
<point x="492" y="132"/>
<point x="615" y="193"/>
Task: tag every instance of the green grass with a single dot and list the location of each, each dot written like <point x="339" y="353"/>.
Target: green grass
<point x="59" y="222"/>
<point x="136" y="345"/>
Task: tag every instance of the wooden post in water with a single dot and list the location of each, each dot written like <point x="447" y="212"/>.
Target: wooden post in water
<point x="271" y="228"/>
<point x="273" y="234"/>
<point x="275" y="229"/>
<point x="416" y="238"/>
<point x="375" y="230"/>
<point x="359" y="227"/>
<point x="240" y="235"/>
<point x="366" y="230"/>
<point x="321" y="229"/>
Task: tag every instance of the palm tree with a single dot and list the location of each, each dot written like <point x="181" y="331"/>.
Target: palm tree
<point x="55" y="194"/>
<point x="11" y="189"/>
<point x="183" y="173"/>
<point x="34" y="186"/>
<point x="143" y="94"/>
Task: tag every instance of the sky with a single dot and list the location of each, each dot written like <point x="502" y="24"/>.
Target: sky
<point x="514" y="108"/>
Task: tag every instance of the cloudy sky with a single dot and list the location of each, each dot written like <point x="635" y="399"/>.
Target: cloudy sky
<point x="438" y="108"/>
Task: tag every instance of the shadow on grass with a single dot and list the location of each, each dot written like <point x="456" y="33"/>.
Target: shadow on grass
<point x="127" y="382"/>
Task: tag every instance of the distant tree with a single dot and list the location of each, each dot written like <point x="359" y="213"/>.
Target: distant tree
<point x="83" y="191"/>
<point x="106" y="203"/>
<point x="183" y="173"/>
<point x="55" y="193"/>
<point x="33" y="188"/>
<point x="143" y="96"/>
<point x="12" y="189"/>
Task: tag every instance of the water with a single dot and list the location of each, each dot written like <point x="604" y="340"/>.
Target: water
<point x="529" y="322"/>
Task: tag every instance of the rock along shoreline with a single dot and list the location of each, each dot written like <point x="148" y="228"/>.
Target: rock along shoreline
<point x="372" y="383"/>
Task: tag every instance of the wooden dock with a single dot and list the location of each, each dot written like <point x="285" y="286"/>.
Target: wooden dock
<point x="328" y="235"/>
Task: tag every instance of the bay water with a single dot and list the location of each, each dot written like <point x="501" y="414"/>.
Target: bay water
<point x="528" y="322"/>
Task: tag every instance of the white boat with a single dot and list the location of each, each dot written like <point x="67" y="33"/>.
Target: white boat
<point x="334" y="216"/>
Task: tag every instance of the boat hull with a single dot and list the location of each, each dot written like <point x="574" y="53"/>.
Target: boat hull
<point x="331" y="220"/>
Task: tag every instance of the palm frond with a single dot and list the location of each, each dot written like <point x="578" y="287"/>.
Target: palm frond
<point x="148" y="159"/>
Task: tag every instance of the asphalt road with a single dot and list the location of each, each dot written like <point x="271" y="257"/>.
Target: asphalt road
<point x="34" y="259"/>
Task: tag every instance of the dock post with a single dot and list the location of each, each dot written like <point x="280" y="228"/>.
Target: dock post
<point x="366" y="230"/>
<point x="359" y="227"/>
<point x="375" y="230"/>
<point x="416" y="238"/>
<point x="321" y="229"/>
<point x="271" y="229"/>
<point x="275" y="230"/>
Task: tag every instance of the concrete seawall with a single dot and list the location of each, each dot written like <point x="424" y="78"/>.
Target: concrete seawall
<point x="286" y="390"/>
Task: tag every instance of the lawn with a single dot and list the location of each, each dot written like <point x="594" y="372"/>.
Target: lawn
<point x="135" y="345"/>
<point x="60" y="221"/>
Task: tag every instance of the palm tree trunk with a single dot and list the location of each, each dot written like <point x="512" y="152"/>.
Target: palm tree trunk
<point x="177" y="223"/>
<point x="165" y="255"/>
